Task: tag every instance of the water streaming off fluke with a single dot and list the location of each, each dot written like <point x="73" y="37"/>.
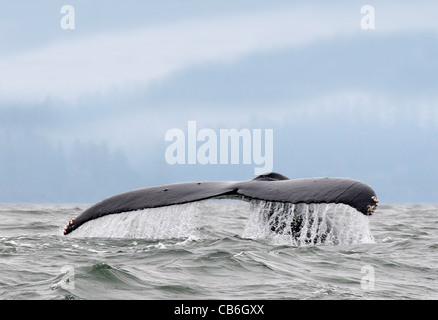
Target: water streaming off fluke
<point x="281" y="223"/>
<point x="303" y="224"/>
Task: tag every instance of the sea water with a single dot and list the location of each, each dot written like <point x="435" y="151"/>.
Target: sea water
<point x="221" y="249"/>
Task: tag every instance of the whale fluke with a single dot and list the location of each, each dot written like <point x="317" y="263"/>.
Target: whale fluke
<point x="269" y="187"/>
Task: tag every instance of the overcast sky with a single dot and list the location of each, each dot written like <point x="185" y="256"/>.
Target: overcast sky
<point x="84" y="112"/>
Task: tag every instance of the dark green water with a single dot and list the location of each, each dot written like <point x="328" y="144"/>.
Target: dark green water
<point x="218" y="251"/>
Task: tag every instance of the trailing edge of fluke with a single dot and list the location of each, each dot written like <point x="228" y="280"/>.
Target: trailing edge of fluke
<point x="268" y="187"/>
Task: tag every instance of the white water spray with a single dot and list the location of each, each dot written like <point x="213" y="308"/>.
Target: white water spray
<point x="280" y="223"/>
<point x="157" y="223"/>
<point x="303" y="224"/>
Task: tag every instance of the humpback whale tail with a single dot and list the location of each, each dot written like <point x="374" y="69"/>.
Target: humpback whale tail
<point x="271" y="187"/>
